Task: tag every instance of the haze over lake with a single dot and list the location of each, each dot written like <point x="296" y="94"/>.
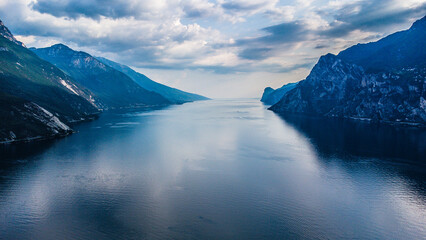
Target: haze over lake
<point x="216" y="169"/>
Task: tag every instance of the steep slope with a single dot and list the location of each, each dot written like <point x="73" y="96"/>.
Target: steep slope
<point x="271" y="96"/>
<point x="392" y="89"/>
<point x="336" y="88"/>
<point x="37" y="100"/>
<point x="4" y="31"/>
<point x="172" y="94"/>
<point x="399" y="50"/>
<point x="113" y="88"/>
<point x="22" y="120"/>
<point x="26" y="76"/>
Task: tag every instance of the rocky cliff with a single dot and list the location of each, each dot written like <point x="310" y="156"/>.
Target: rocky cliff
<point x="381" y="81"/>
<point x="271" y="96"/>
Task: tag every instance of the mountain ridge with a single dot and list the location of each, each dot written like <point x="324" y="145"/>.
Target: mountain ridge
<point x="37" y="100"/>
<point x="113" y="88"/>
<point x="398" y="50"/>
<point x="357" y="84"/>
<point x="172" y="94"/>
<point x="4" y="31"/>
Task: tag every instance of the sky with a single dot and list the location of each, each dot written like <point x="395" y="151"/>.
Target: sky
<point x="217" y="48"/>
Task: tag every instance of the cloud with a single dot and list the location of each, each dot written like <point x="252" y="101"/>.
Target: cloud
<point x="96" y="9"/>
<point x="365" y="18"/>
<point x="221" y="36"/>
<point x="285" y="32"/>
<point x="254" y="5"/>
<point x="278" y="39"/>
<point x="139" y="42"/>
<point x="231" y="10"/>
<point x="241" y="9"/>
<point x="200" y="9"/>
<point x="255" y="53"/>
<point x="321" y="46"/>
<point x="371" y="16"/>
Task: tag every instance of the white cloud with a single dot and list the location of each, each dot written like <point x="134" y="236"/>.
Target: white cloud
<point x="221" y="58"/>
<point x="192" y="35"/>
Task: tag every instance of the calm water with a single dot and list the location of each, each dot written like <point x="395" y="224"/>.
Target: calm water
<point x="217" y="170"/>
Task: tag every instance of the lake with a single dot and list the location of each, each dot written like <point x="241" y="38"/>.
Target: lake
<point x="218" y="169"/>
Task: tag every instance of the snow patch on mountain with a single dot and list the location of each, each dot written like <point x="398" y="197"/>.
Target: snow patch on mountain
<point x="65" y="84"/>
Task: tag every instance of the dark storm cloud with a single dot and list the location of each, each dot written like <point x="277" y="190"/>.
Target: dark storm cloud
<point x="87" y="8"/>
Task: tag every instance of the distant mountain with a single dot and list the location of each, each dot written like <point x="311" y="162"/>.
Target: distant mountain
<point x="380" y="81"/>
<point x="271" y="96"/>
<point x="113" y="88"/>
<point x="37" y="99"/>
<point x="172" y="94"/>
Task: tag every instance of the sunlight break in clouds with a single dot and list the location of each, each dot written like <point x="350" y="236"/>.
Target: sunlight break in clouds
<point x="215" y="43"/>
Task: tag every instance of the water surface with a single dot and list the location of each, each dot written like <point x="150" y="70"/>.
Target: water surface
<point x="220" y="169"/>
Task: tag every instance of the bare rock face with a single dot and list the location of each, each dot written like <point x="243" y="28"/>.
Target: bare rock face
<point x="335" y="88"/>
<point x="377" y="81"/>
<point x="326" y="87"/>
<point x="23" y="120"/>
<point x="271" y="96"/>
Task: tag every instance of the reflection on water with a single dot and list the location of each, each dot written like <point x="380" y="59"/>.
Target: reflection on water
<point x="216" y="169"/>
<point x="352" y="142"/>
<point x="343" y="137"/>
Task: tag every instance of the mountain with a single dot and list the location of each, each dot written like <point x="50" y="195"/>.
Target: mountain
<point x="113" y="88"/>
<point x="35" y="93"/>
<point x="271" y="96"/>
<point x="403" y="49"/>
<point x="4" y="31"/>
<point x="381" y="81"/>
<point x="22" y="120"/>
<point x="26" y="76"/>
<point x="172" y="94"/>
